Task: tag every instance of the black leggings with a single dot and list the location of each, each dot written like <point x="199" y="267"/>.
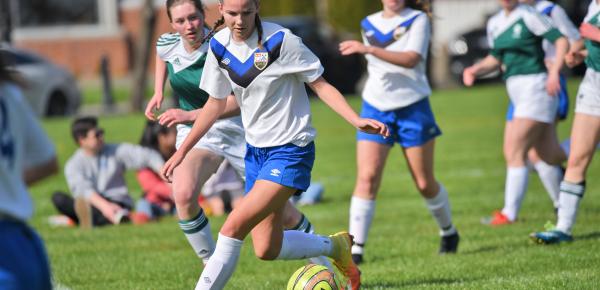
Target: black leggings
<point x="65" y="204"/>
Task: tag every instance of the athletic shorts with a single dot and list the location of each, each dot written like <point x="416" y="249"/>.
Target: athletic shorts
<point x="23" y="260"/>
<point x="410" y="126"/>
<point x="563" y="102"/>
<point x="289" y="165"/>
<point x="530" y="99"/>
<point x="224" y="138"/>
<point x="588" y="96"/>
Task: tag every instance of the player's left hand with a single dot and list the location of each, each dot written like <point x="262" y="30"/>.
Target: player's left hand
<point x="351" y="47"/>
<point x="553" y="84"/>
<point x="173" y="117"/>
<point x="372" y="126"/>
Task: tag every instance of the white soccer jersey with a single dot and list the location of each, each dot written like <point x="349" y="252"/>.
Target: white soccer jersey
<point x="268" y="83"/>
<point x="23" y="144"/>
<point x="561" y="21"/>
<point x="390" y="86"/>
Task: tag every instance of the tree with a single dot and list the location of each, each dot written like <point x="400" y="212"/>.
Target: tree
<point x="142" y="49"/>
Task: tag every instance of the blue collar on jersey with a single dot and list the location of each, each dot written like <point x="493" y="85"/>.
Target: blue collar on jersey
<point x="548" y="10"/>
<point x="243" y="73"/>
<point x="377" y="38"/>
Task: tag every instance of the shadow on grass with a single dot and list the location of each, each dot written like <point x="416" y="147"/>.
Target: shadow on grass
<point x="588" y="236"/>
<point x="419" y="282"/>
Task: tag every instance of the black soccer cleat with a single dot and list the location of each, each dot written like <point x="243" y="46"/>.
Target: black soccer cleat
<point x="449" y="244"/>
<point x="357" y="258"/>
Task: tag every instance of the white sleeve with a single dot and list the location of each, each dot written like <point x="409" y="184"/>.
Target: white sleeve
<point x="137" y="157"/>
<point x="537" y="23"/>
<point x="300" y="60"/>
<point x="564" y="24"/>
<point x="213" y="80"/>
<point x="419" y="35"/>
<point x="38" y="147"/>
<point x="79" y="184"/>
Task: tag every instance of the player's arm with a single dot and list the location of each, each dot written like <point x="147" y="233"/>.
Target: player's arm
<point x="41" y="171"/>
<point x="485" y="66"/>
<point x="160" y="76"/>
<point x="590" y="32"/>
<point x="178" y="116"/>
<point x="209" y="114"/>
<point x="334" y="99"/>
<point x="553" y="84"/>
<point x="407" y="59"/>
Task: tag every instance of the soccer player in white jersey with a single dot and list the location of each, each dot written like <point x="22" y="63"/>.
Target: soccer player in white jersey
<point x="395" y="43"/>
<point x="550" y="175"/>
<point x="181" y="57"/>
<point x="515" y="34"/>
<point x="585" y="133"/>
<point x="26" y="156"/>
<point x="266" y="66"/>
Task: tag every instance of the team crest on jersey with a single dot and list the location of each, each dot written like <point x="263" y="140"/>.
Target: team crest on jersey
<point x="517" y="31"/>
<point x="261" y="59"/>
<point x="398" y="32"/>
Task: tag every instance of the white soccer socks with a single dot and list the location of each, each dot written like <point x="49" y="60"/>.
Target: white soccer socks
<point x="305" y="226"/>
<point x="361" y="216"/>
<point x="514" y="191"/>
<point x="551" y="176"/>
<point x="439" y="206"/>
<point x="298" y="245"/>
<point x="221" y="264"/>
<point x="197" y="232"/>
<point x="570" y="196"/>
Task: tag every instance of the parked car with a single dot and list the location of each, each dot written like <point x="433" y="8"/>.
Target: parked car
<point x="466" y="50"/>
<point x="343" y="72"/>
<point x="49" y="89"/>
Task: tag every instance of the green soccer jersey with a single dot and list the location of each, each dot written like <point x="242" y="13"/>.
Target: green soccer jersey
<point x="516" y="40"/>
<point x="593" y="47"/>
<point x="184" y="70"/>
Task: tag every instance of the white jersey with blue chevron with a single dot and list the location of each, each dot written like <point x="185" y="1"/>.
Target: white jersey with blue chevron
<point x="390" y="86"/>
<point x="268" y="83"/>
<point x="23" y="144"/>
<point x="561" y="21"/>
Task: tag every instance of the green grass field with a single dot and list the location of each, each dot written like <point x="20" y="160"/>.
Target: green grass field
<point x="403" y="242"/>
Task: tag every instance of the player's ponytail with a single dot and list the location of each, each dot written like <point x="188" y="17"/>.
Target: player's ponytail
<point x="422" y="5"/>
<point x="214" y="29"/>
<point x="259" y="30"/>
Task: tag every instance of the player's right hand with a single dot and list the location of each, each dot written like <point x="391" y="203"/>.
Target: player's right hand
<point x="153" y="104"/>
<point x="574" y="58"/>
<point x="469" y="76"/>
<point x="167" y="171"/>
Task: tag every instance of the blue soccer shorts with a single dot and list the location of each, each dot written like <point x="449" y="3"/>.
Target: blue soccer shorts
<point x="409" y="126"/>
<point x="288" y="165"/>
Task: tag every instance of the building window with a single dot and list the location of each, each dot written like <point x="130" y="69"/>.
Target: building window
<point x="37" y="13"/>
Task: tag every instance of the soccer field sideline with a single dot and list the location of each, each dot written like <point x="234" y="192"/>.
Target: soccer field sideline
<point x="401" y="251"/>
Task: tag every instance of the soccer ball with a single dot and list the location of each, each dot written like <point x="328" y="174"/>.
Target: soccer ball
<point x="311" y="277"/>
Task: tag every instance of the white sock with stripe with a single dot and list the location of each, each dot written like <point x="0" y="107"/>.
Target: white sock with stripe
<point x="439" y="206"/>
<point x="514" y="191"/>
<point x="551" y="176"/>
<point x="361" y="216"/>
<point x="221" y="264"/>
<point x="305" y="226"/>
<point x="197" y="232"/>
<point x="299" y="245"/>
<point x="570" y="196"/>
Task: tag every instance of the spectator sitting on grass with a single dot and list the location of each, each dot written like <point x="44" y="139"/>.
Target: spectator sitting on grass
<point x="95" y="175"/>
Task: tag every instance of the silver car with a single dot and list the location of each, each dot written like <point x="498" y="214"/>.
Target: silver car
<point x="49" y="89"/>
